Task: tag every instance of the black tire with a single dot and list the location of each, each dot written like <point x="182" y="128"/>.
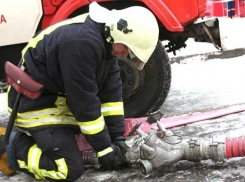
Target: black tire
<point x="149" y="87"/>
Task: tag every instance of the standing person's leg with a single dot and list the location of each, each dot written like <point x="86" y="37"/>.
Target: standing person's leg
<point x="50" y="153"/>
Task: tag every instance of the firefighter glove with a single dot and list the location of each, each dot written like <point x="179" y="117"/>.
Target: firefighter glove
<point x="121" y="143"/>
<point x="109" y="158"/>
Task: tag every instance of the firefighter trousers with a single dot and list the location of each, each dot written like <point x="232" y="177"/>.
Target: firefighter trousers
<point x="50" y="153"/>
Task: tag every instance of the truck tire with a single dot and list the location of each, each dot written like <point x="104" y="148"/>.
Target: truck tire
<point x="146" y="90"/>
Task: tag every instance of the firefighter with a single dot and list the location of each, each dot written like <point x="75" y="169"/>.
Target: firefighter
<point x="76" y="61"/>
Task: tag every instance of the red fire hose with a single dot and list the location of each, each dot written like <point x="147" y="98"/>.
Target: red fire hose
<point x="232" y="147"/>
<point x="235" y="147"/>
<point x="182" y="120"/>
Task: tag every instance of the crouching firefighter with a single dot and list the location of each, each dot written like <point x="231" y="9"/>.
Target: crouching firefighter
<point x="76" y="62"/>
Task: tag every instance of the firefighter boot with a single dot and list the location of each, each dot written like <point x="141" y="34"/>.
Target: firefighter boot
<point x="4" y="166"/>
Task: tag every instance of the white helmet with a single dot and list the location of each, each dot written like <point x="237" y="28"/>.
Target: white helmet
<point x="136" y="27"/>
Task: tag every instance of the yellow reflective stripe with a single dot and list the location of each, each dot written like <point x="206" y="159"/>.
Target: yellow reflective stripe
<point x="49" y="116"/>
<point x="33" y="165"/>
<point x="62" y="109"/>
<point x="42" y="113"/>
<point x="61" y="102"/>
<point x="33" y="42"/>
<point x="45" y="121"/>
<point x="62" y="168"/>
<point x="104" y="152"/>
<point x="112" y="108"/>
<point x="9" y="111"/>
<point x="34" y="155"/>
<point x="22" y="164"/>
<point x="9" y="87"/>
<point x="92" y="127"/>
<point x="113" y="113"/>
<point x="60" y="174"/>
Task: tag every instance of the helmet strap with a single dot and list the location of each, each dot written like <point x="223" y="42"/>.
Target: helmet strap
<point x="108" y="41"/>
<point x="108" y="36"/>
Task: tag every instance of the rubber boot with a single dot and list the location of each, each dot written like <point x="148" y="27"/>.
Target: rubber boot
<point x="4" y="166"/>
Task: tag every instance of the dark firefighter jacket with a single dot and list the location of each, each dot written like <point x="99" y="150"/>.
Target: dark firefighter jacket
<point x="82" y="83"/>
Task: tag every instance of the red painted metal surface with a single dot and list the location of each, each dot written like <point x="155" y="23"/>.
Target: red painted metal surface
<point x="167" y="11"/>
<point x="173" y="15"/>
<point x="202" y="6"/>
<point x="158" y="7"/>
<point x="221" y="8"/>
<point x="50" y="7"/>
<point x="67" y="8"/>
<point x="57" y="10"/>
<point x="165" y="15"/>
<point x="183" y="11"/>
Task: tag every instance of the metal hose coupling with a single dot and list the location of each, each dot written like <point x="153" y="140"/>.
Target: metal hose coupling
<point x="154" y="148"/>
<point x="90" y="159"/>
<point x="162" y="148"/>
<point x="200" y="149"/>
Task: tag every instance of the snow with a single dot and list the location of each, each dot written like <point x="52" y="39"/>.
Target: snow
<point x="3" y="103"/>
<point x="215" y="83"/>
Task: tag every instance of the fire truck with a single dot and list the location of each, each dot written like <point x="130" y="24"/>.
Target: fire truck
<point x="143" y="91"/>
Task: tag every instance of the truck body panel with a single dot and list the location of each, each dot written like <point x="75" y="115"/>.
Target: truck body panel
<point x="229" y="29"/>
<point x="17" y="26"/>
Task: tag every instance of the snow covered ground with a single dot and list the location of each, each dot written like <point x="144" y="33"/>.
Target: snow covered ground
<point x="3" y="101"/>
<point x="205" y="80"/>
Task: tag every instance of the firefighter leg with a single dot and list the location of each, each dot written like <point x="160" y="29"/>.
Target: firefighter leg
<point x="50" y="154"/>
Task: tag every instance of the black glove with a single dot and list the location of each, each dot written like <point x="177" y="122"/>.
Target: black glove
<point x="120" y="142"/>
<point x="110" y="161"/>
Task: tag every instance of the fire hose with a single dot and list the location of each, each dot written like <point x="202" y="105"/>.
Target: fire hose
<point x="160" y="147"/>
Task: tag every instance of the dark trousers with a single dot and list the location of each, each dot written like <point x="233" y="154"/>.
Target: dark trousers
<point x="50" y="153"/>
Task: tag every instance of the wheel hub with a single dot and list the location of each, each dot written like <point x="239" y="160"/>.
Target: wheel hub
<point x="131" y="77"/>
